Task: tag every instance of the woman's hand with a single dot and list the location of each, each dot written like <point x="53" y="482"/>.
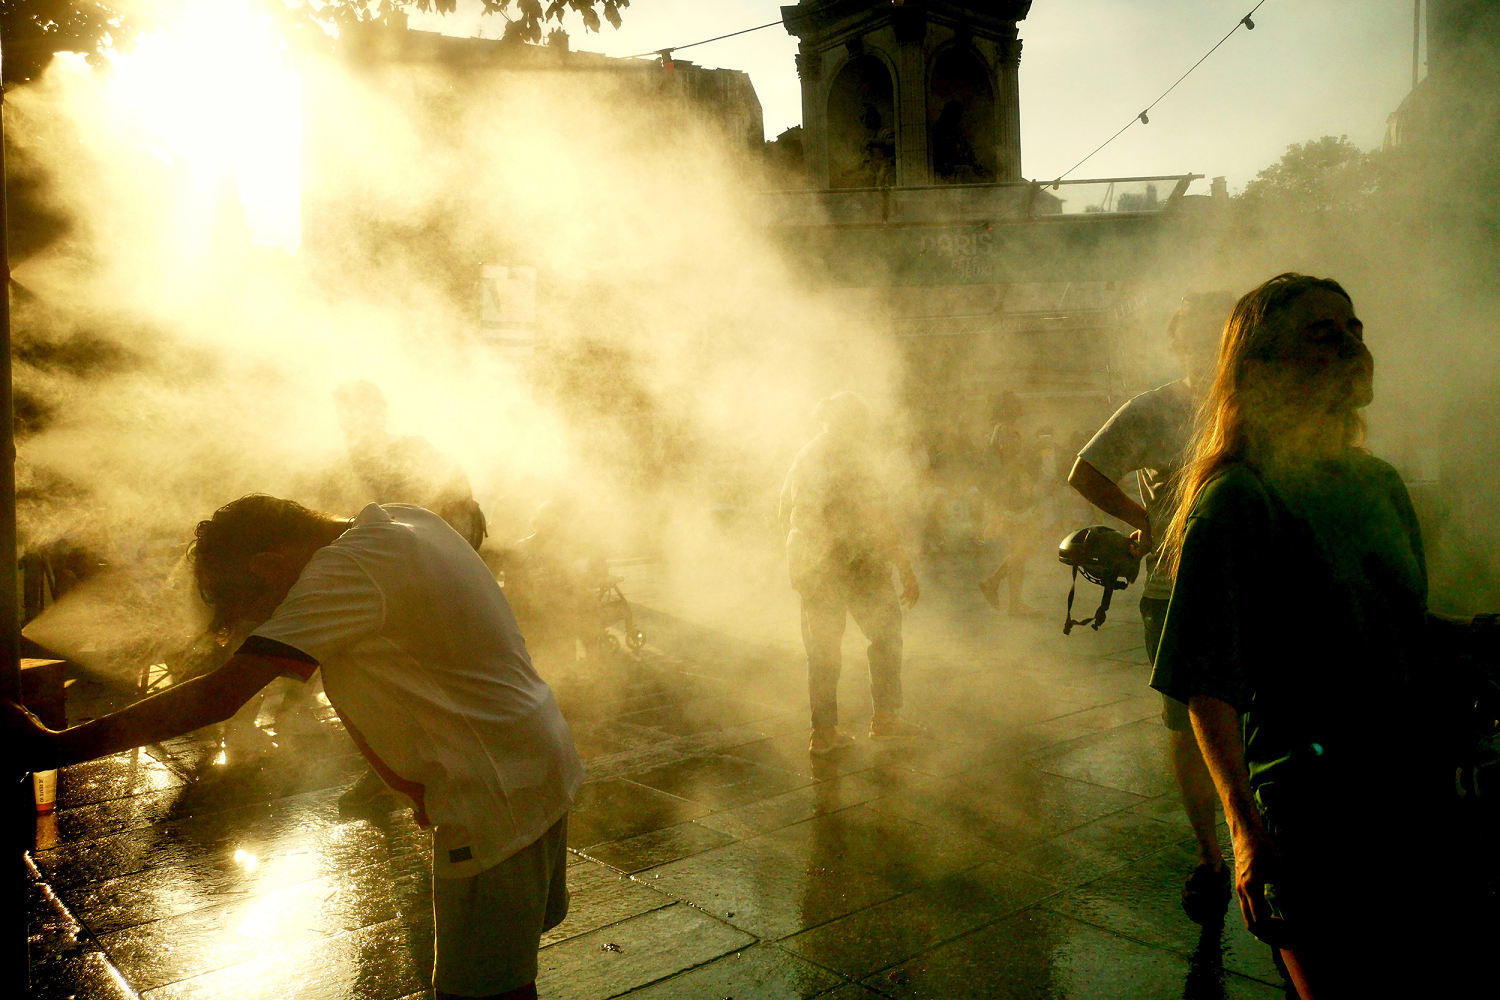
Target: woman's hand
<point x="1258" y="866"/>
<point x="1257" y="861"/>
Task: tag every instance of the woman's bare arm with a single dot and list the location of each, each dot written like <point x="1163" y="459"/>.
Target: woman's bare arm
<point x="1217" y="726"/>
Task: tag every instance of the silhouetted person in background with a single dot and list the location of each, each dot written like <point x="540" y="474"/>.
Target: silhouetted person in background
<point x="842" y="543"/>
<point x="1148" y="436"/>
<point x="422" y="660"/>
<point x="1012" y="512"/>
<point x="406" y="469"/>
<point x="1300" y="604"/>
<point x="552" y="580"/>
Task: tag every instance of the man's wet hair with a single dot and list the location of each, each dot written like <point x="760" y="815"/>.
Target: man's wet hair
<point x="224" y="544"/>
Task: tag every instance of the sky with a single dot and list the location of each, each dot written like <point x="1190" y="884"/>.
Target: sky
<point x="1310" y="68"/>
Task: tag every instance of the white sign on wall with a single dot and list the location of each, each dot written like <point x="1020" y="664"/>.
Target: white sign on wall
<point x="507" y="310"/>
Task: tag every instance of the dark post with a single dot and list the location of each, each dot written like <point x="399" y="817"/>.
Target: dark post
<point x="1416" y="40"/>
<point x="13" y="958"/>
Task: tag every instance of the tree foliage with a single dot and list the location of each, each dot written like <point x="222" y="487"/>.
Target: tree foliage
<point x="525" y="19"/>
<point x="1317" y="177"/>
<point x="33" y="31"/>
<point x="531" y="15"/>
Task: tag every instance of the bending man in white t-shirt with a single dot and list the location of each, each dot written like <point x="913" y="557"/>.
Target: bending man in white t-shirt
<point x="423" y="661"/>
<point x="1148" y="436"/>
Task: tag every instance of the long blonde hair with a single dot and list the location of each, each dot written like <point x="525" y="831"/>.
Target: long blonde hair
<point x="1234" y="416"/>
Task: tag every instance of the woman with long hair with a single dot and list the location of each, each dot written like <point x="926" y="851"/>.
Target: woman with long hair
<point x="1296" y="634"/>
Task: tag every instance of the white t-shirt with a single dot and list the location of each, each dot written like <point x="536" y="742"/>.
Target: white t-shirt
<point x="423" y="661"/>
<point x="1148" y="436"/>
<point x="833" y="503"/>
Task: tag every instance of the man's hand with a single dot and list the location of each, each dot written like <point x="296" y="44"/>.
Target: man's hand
<point x="910" y="592"/>
<point x="34" y="744"/>
<point x="1142" y="542"/>
<point x="1104" y="493"/>
<point x="193" y="704"/>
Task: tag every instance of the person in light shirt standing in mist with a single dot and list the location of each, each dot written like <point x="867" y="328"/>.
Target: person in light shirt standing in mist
<point x="1148" y="436"/>
<point x="842" y="543"/>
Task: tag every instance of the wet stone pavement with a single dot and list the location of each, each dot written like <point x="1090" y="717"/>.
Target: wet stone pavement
<point x="1032" y="847"/>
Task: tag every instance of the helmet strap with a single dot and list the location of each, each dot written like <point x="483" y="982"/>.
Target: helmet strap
<point x="1098" y="616"/>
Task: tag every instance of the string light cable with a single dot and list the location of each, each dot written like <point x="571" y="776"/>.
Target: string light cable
<point x="667" y="52"/>
<point x="1142" y="117"/>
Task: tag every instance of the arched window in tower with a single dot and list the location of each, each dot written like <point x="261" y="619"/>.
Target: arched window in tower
<point x="961" y="118"/>
<point x="862" y="125"/>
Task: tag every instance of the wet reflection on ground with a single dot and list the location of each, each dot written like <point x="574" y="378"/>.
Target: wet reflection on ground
<point x="1031" y="848"/>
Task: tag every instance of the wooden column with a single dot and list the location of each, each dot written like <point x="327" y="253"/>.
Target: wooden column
<point x="17" y="818"/>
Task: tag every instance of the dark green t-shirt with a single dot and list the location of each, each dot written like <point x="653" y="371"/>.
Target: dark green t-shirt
<point x="1301" y="601"/>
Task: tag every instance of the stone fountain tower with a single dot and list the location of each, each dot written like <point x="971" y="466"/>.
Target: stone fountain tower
<point x="907" y="93"/>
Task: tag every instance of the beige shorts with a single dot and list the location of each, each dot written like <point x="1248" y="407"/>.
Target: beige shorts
<point x="487" y="927"/>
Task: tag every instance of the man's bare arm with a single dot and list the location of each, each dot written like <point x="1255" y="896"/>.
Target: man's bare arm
<point x="1104" y="493"/>
<point x="193" y="704"/>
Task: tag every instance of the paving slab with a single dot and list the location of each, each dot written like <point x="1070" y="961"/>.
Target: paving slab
<point x="1038" y="955"/>
<point x="1107" y="844"/>
<point x="657" y="847"/>
<point x="378" y="962"/>
<point x="635" y="952"/>
<point x="773" y="888"/>
<point x="763" y="972"/>
<point x="600" y="896"/>
<point x="908" y="925"/>
<point x="719" y="781"/>
<point x="1137" y="900"/>
<point x="1131" y="757"/>
<point x="835" y="792"/>
<point x="615" y="808"/>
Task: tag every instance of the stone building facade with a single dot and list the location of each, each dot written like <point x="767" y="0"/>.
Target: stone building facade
<point x="909" y="94"/>
<point x="912" y="199"/>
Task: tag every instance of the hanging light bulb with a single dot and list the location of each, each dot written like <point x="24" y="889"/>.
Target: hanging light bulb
<point x="1144" y="119"/>
<point x="1249" y="24"/>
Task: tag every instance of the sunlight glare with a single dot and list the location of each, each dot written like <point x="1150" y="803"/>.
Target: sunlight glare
<point x="214" y="93"/>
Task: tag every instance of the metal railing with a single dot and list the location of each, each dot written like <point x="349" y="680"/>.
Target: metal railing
<point x="945" y="204"/>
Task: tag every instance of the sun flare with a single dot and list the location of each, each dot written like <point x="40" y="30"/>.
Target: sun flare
<point x="213" y="93"/>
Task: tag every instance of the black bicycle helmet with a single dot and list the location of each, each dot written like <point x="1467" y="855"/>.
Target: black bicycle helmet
<point x="1104" y="557"/>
